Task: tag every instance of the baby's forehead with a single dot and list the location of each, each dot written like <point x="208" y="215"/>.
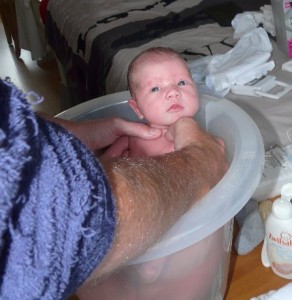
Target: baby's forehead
<point x="145" y="63"/>
<point x="155" y="58"/>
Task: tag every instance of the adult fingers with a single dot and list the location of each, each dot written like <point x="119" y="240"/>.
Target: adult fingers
<point x="140" y="130"/>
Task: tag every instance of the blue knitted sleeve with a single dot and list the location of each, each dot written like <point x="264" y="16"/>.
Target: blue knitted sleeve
<point x="57" y="213"/>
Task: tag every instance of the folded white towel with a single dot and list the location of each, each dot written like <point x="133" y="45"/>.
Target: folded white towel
<point x="284" y="293"/>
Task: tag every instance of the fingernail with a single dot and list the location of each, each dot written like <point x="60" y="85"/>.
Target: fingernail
<point x="154" y="131"/>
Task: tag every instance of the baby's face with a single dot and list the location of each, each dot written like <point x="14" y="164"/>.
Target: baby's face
<point x="165" y="91"/>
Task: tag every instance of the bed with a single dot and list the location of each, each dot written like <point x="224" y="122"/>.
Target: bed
<point x="94" y="40"/>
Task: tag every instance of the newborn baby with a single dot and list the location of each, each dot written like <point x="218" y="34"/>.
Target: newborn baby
<point x="162" y="91"/>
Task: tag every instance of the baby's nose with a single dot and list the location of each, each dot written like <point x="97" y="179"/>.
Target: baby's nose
<point x="173" y="92"/>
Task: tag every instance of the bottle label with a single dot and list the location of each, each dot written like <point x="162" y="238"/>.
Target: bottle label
<point x="280" y="254"/>
<point x="285" y="239"/>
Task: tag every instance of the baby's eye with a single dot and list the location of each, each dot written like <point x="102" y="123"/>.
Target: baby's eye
<point x="182" y="82"/>
<point x="154" y="89"/>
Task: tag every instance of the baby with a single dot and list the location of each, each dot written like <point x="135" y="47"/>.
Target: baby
<point x="162" y="91"/>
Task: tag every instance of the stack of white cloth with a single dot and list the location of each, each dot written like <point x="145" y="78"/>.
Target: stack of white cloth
<point x="249" y="20"/>
<point x="284" y="293"/>
<point x="248" y="60"/>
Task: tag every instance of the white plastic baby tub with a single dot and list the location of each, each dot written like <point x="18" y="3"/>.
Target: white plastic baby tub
<point x="191" y="261"/>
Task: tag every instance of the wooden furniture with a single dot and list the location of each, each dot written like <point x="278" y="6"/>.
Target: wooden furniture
<point x="249" y="278"/>
<point x="8" y="16"/>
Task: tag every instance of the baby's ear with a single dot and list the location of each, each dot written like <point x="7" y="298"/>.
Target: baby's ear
<point x="134" y="106"/>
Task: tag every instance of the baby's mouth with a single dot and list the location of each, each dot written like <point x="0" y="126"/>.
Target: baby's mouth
<point x="175" y="108"/>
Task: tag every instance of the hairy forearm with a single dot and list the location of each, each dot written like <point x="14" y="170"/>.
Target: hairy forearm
<point x="148" y="201"/>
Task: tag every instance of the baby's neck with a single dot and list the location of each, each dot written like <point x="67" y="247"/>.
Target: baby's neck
<point x="162" y="127"/>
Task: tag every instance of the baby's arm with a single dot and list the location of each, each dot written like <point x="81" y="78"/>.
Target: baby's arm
<point x="119" y="148"/>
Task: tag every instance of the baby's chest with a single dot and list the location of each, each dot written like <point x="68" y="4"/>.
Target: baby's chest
<point x="160" y="146"/>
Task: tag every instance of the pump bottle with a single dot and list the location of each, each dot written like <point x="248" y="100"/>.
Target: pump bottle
<point x="277" y="248"/>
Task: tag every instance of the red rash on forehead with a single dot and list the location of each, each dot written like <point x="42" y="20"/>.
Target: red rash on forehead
<point x="152" y="58"/>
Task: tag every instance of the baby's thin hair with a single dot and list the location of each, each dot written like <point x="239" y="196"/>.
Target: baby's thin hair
<point x="148" y="52"/>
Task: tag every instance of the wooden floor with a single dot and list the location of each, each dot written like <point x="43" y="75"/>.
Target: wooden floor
<point x="28" y="75"/>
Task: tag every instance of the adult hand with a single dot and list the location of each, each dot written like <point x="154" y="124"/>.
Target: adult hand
<point x="147" y="189"/>
<point x="186" y="132"/>
<point x="98" y="134"/>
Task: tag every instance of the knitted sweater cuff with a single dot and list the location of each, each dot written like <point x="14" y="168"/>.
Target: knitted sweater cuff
<point x="57" y="211"/>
